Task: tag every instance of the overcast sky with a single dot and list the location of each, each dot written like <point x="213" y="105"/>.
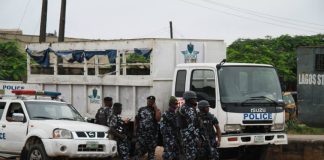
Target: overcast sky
<point x="203" y="19"/>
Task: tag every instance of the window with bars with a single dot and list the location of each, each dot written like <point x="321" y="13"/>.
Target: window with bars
<point x="319" y="62"/>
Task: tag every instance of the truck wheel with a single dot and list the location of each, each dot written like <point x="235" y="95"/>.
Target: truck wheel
<point x="37" y="152"/>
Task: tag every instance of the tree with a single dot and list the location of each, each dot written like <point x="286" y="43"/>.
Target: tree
<point x="12" y="61"/>
<point x="279" y="52"/>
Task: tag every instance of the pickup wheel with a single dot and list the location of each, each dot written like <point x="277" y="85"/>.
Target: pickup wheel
<point x="37" y="152"/>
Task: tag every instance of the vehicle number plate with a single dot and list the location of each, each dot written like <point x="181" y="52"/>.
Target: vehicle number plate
<point x="92" y="145"/>
<point x="259" y="139"/>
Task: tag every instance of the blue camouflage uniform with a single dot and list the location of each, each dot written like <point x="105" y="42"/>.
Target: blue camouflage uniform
<point x="169" y="133"/>
<point x="116" y="122"/>
<point x="207" y="121"/>
<point x="102" y="115"/>
<point x="147" y="132"/>
<point x="189" y="131"/>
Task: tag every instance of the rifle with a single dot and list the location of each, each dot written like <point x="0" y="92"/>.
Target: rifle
<point x="178" y="137"/>
<point x="204" y="134"/>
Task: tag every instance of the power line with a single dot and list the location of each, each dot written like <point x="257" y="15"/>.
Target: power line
<point x="248" y="10"/>
<point x="244" y="17"/>
<point x="35" y="29"/>
<point x="178" y="32"/>
<point x="24" y="13"/>
<point x="268" y="16"/>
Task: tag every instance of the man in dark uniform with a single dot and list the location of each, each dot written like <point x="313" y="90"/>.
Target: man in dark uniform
<point x="118" y="131"/>
<point x="188" y="124"/>
<point x="104" y="112"/>
<point x="146" y="128"/>
<point x="169" y="131"/>
<point x="207" y="122"/>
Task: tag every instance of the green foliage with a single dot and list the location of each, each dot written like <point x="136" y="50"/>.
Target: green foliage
<point x="293" y="127"/>
<point x="279" y="52"/>
<point x="12" y="61"/>
<point x="134" y="58"/>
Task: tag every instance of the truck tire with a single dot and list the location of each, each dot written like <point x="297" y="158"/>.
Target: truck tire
<point x="37" y="152"/>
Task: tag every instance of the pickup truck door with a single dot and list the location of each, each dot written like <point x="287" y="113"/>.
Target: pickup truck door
<point x="15" y="132"/>
<point x="2" y="134"/>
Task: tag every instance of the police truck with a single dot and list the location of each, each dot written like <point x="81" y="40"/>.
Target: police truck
<point x="246" y="98"/>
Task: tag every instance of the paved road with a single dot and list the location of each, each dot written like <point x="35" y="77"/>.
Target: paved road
<point x="302" y="138"/>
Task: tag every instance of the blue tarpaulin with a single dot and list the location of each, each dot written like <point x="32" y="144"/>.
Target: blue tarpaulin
<point x="146" y="52"/>
<point x="110" y="53"/>
<point x="71" y="56"/>
<point x="41" y="58"/>
<point x="79" y="55"/>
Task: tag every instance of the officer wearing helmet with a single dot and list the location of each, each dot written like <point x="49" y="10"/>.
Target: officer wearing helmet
<point x="207" y="124"/>
<point x="169" y="131"/>
<point x="104" y="112"/>
<point x="117" y="129"/>
<point x="187" y="122"/>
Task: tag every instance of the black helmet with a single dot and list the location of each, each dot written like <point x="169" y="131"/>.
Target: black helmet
<point x="117" y="108"/>
<point x="189" y="95"/>
<point x="203" y="104"/>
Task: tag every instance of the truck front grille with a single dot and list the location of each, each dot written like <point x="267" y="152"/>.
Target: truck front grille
<point x="83" y="148"/>
<point x="257" y="122"/>
<point x="256" y="129"/>
<point x="100" y="134"/>
<point x="82" y="134"/>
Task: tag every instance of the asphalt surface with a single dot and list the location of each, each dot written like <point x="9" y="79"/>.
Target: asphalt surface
<point x="301" y="138"/>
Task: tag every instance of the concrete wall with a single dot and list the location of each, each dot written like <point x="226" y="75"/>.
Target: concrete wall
<point x="26" y="39"/>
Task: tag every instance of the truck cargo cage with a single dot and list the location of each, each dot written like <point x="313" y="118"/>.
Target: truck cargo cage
<point x="135" y="69"/>
<point x="90" y="62"/>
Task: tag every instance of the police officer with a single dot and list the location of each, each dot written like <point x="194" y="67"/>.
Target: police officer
<point x="188" y="124"/>
<point x="146" y="128"/>
<point x="118" y="131"/>
<point x="168" y="130"/>
<point x="207" y="122"/>
<point x="104" y="112"/>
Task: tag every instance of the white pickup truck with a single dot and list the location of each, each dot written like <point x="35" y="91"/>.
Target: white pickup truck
<point x="42" y="129"/>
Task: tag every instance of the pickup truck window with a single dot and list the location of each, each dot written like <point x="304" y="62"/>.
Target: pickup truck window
<point x="180" y="83"/>
<point x="51" y="110"/>
<point x="2" y="105"/>
<point x="13" y="108"/>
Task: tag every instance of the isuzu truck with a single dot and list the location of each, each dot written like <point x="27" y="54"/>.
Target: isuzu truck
<point x="246" y="98"/>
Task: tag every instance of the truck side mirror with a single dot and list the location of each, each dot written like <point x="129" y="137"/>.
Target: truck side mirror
<point x="18" y="117"/>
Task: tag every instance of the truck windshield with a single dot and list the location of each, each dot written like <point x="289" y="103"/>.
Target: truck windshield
<point x="240" y="84"/>
<point x="52" y="110"/>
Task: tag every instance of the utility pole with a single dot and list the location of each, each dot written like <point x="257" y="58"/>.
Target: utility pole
<point x="42" y="32"/>
<point x="62" y="21"/>
<point x="171" y="30"/>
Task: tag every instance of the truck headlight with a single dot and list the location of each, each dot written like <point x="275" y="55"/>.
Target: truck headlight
<point x="278" y="127"/>
<point x="232" y="128"/>
<point x="59" y="133"/>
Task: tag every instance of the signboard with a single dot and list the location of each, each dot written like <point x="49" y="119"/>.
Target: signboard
<point x="311" y="79"/>
<point x="8" y="86"/>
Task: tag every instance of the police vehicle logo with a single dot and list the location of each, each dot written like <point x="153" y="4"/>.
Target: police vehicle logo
<point x="91" y="134"/>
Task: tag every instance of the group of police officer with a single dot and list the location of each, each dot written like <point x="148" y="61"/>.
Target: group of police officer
<point x="188" y="133"/>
